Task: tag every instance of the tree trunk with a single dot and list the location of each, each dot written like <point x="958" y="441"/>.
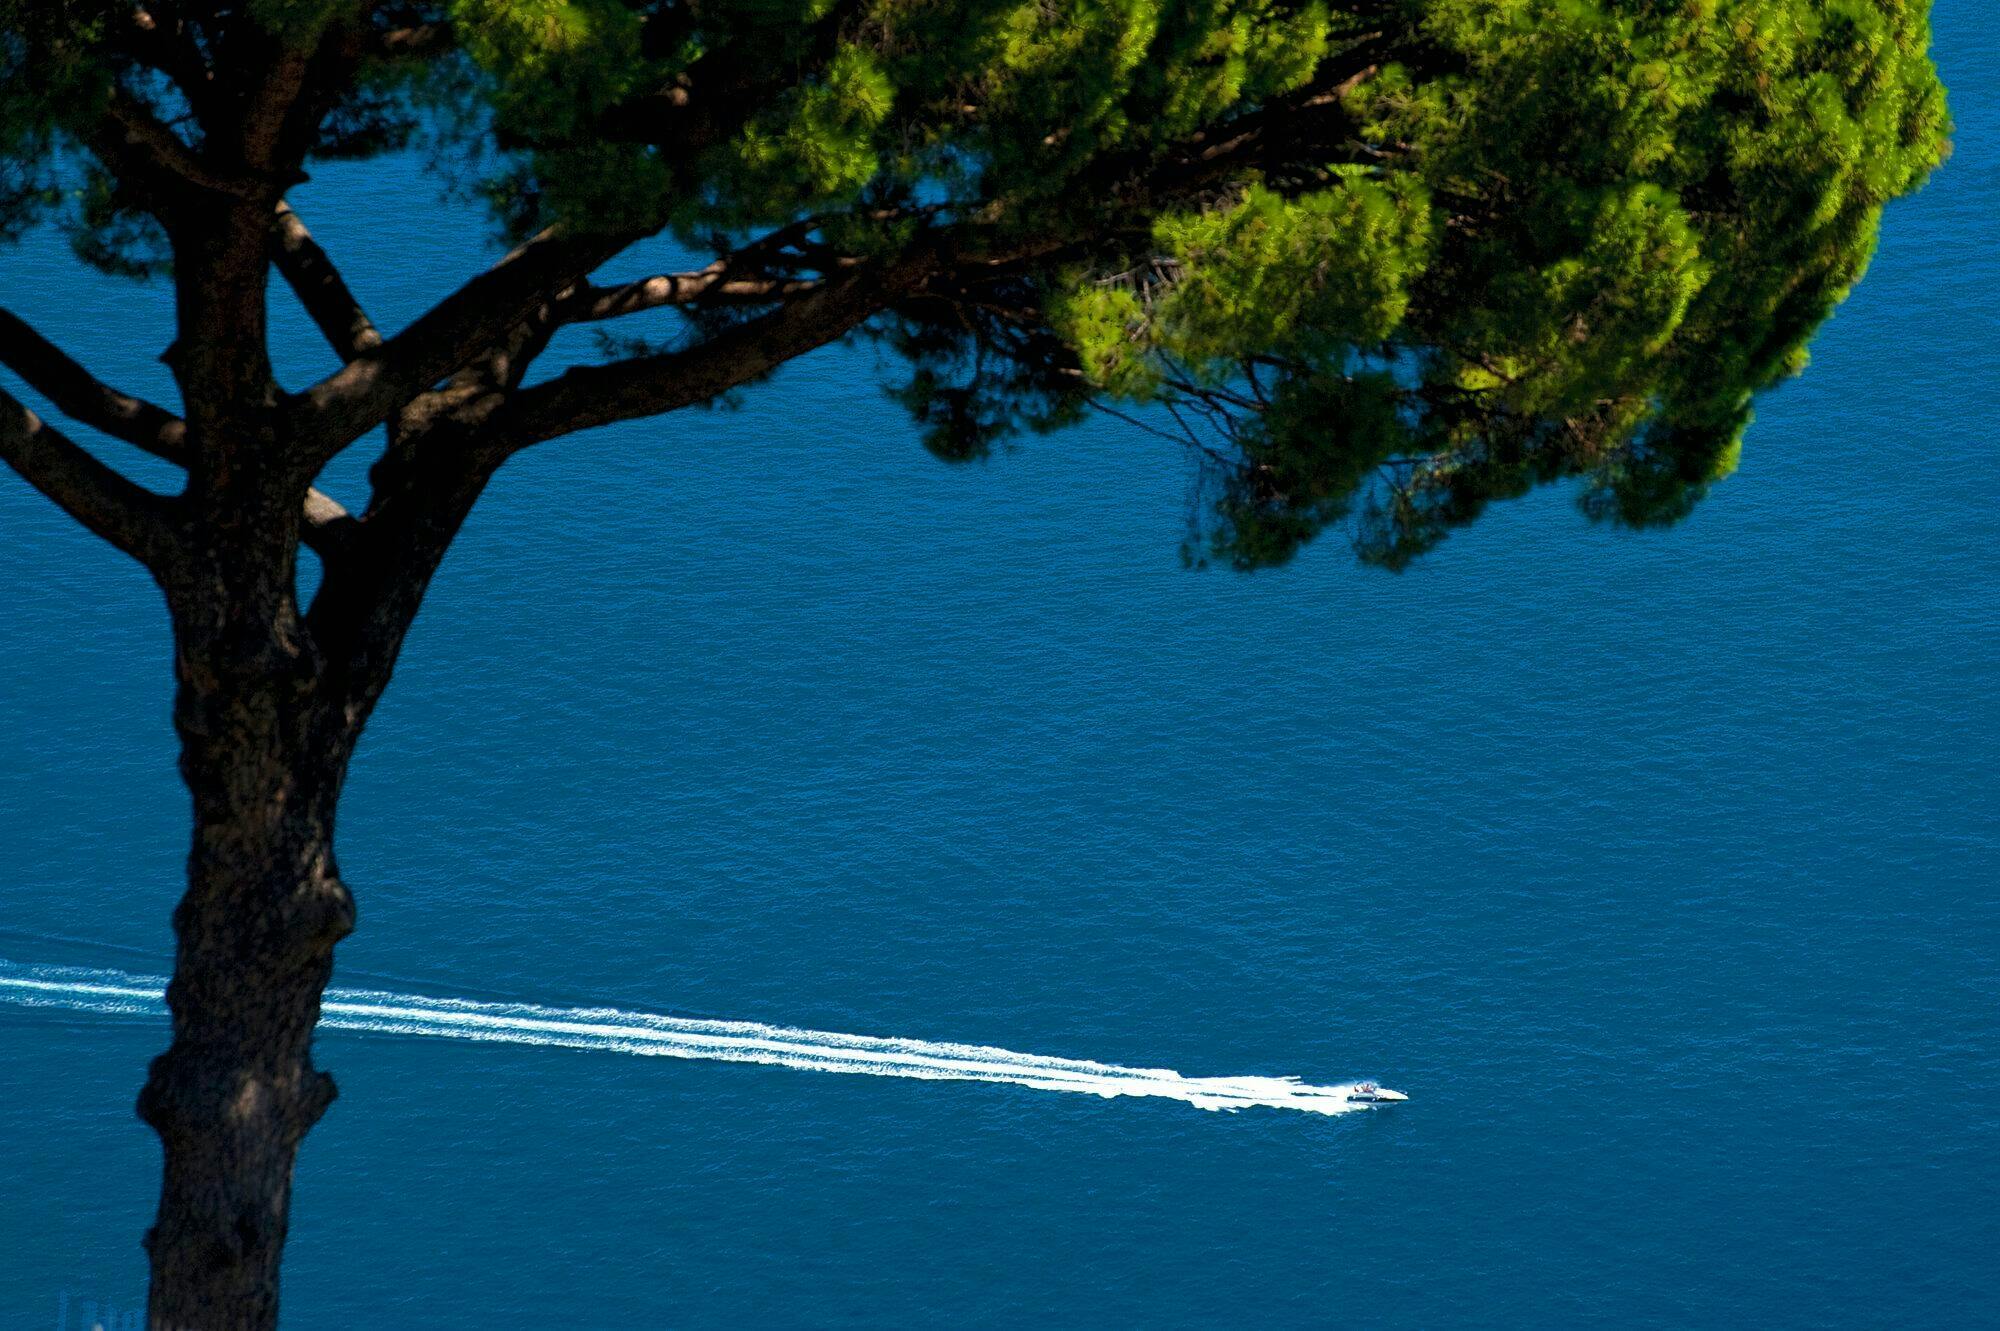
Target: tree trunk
<point x="235" y="1093"/>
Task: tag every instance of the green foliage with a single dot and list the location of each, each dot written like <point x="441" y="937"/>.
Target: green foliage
<point x="52" y="79"/>
<point x="296" y="21"/>
<point x="1306" y="276"/>
<point x="113" y="237"/>
<point x="814" y="147"/>
<point x="1645" y="210"/>
<point x="1309" y="455"/>
<point x="551" y="65"/>
<point x="1466" y="247"/>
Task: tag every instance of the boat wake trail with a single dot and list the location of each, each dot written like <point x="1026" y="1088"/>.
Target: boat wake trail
<point x="74" y="989"/>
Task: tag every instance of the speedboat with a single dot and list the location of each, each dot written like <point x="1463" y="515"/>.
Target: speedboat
<point x="1368" y="1093"/>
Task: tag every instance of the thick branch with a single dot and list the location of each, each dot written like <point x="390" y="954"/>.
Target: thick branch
<point x="761" y="272"/>
<point x="712" y="285"/>
<point x="817" y="311"/>
<point x="369" y="598"/>
<point x="147" y="155"/>
<point x="593" y="395"/>
<point x="827" y="310"/>
<point x="319" y="287"/>
<point x="372" y="387"/>
<point x="326" y="527"/>
<point x="484" y="333"/>
<point x="133" y="420"/>
<point x="80" y="396"/>
<point x="127" y="515"/>
<point x="268" y="112"/>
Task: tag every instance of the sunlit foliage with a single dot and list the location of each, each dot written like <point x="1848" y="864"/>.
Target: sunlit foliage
<point x="1381" y="261"/>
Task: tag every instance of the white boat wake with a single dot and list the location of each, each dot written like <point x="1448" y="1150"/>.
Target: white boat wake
<point x="75" y="989"/>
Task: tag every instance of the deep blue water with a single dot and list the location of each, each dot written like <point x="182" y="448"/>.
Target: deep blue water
<point x="1661" y="869"/>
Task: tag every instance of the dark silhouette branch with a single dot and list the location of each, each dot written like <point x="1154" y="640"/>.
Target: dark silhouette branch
<point x="152" y="429"/>
<point x="497" y="322"/>
<point x="370" y="597"/>
<point x="326" y="527"/>
<point x="681" y="120"/>
<point x="374" y="386"/>
<point x="267" y="109"/>
<point x="320" y="287"/>
<point x="79" y="395"/>
<point x="823" y="311"/>
<point x="151" y="158"/>
<point x="710" y="285"/>
<point x="762" y="271"/>
<point x="160" y="40"/>
<point x="591" y="395"/>
<point x="127" y="515"/>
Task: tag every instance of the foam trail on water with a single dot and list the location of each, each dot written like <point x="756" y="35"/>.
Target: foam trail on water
<point x="73" y="989"/>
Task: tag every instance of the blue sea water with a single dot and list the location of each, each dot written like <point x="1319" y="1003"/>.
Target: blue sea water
<point x="1660" y="870"/>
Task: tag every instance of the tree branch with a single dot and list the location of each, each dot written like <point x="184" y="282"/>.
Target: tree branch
<point x="268" y="122"/>
<point x="127" y="515"/>
<point x="759" y="272"/>
<point x="159" y="39"/>
<point x="548" y="273"/>
<point x="319" y="287"/>
<point x="586" y="304"/>
<point x="79" y="395"/>
<point x="827" y="310"/>
<point x="326" y="527"/>
<point x="592" y="395"/>
<point x="370" y="388"/>
<point x="145" y="153"/>
<point x="368" y="599"/>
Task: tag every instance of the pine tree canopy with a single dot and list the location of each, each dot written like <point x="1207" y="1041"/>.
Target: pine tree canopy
<point x="1372" y="263"/>
<point x="1377" y="262"/>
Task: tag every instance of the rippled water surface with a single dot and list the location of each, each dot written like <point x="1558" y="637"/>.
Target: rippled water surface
<point x="1660" y="870"/>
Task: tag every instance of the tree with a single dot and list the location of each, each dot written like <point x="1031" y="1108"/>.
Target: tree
<point x="1376" y="262"/>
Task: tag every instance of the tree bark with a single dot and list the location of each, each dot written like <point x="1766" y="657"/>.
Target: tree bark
<point x="263" y="756"/>
<point x="270" y="706"/>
